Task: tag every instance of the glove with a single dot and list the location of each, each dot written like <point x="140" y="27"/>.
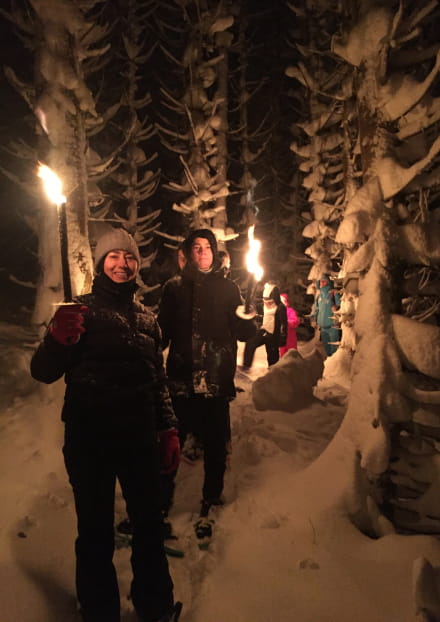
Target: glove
<point x="169" y="449"/>
<point x="66" y="326"/>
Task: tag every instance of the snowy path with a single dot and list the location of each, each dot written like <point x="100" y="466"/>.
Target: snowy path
<point x="38" y="521"/>
<point x="279" y="554"/>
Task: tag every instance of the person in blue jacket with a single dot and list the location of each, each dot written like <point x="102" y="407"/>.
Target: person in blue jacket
<point x="323" y="312"/>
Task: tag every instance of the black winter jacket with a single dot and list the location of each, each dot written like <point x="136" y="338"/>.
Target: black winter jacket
<point x="198" y="321"/>
<point x="114" y="374"/>
<point x="280" y="332"/>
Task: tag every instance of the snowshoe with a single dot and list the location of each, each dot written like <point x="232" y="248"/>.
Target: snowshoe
<point x="203" y="526"/>
<point x="203" y="529"/>
<point x="192" y="450"/>
<point x="124" y="527"/>
<point x="173" y="552"/>
<point x="167" y="530"/>
<point x="123" y="540"/>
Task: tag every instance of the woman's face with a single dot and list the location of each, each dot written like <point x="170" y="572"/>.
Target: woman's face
<point x="120" y="266"/>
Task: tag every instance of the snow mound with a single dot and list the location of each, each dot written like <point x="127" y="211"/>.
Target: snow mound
<point x="288" y="385"/>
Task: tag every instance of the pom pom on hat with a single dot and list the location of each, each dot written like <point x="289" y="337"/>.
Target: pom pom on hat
<point x="115" y="239"/>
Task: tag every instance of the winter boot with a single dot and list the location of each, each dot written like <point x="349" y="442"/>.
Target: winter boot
<point x="192" y="449"/>
<point x="167" y="529"/>
<point x="203" y="526"/>
<point x="125" y="527"/>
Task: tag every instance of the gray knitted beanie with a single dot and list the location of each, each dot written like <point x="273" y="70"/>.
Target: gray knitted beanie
<point x="115" y="239"/>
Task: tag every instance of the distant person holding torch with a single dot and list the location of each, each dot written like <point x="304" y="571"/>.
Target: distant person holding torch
<point x="119" y="425"/>
<point x="273" y="330"/>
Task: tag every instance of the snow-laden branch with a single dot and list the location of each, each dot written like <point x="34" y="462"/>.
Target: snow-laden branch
<point x="27" y="284"/>
<point x="164" y="130"/>
<point x="20" y="149"/>
<point x="393" y="177"/>
<point x="418" y="345"/>
<point x="402" y="92"/>
<point x="30" y="190"/>
<point x="175" y="238"/>
<point x="20" y="19"/>
<point x="422" y="116"/>
<point x="24" y="89"/>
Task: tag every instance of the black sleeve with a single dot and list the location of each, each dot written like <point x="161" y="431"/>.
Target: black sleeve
<point x="282" y="314"/>
<point x="51" y="360"/>
<point x="163" y="406"/>
<point x="165" y="315"/>
<point x="241" y="329"/>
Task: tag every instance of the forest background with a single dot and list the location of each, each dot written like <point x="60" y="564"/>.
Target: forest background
<point x="160" y="116"/>
<point x="316" y="121"/>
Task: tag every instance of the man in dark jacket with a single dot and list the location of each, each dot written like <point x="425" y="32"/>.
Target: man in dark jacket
<point x="197" y="315"/>
<point x="273" y="331"/>
<point x="118" y="418"/>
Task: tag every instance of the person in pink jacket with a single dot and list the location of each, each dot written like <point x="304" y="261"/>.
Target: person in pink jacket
<point x="292" y="323"/>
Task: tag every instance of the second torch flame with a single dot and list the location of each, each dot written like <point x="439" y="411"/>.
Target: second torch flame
<point x="253" y="266"/>
<point x="252" y="263"/>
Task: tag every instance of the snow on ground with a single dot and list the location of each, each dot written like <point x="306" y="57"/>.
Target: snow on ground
<point x="284" y="549"/>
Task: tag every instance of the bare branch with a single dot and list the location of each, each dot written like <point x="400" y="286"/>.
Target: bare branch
<point x="170" y="56"/>
<point x="189" y="176"/>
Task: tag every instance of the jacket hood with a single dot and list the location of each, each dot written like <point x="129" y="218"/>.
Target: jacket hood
<point x="208" y="235"/>
<point x="327" y="278"/>
<point x="271" y="291"/>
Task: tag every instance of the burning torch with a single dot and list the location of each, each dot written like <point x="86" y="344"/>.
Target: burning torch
<point x="253" y="267"/>
<point x="53" y="188"/>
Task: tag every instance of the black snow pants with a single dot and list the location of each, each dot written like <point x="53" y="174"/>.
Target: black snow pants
<point x="261" y="338"/>
<point x="94" y="459"/>
<point x="207" y="418"/>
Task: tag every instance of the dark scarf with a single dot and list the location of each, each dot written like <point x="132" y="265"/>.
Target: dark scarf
<point x="119" y="293"/>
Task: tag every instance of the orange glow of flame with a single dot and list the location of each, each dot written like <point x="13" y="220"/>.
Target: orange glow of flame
<point x="252" y="264"/>
<point x="52" y="184"/>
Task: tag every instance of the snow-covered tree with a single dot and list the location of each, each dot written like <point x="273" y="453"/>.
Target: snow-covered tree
<point x="66" y="47"/>
<point x="134" y="179"/>
<point x="379" y="207"/>
<point x="201" y="112"/>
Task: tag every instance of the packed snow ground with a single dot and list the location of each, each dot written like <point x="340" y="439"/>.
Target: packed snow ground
<point x="284" y="548"/>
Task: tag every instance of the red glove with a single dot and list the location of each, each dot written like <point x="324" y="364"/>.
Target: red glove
<point x="169" y="448"/>
<point x="67" y="324"/>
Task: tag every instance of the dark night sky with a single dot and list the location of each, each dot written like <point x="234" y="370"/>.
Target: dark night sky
<point x="17" y="242"/>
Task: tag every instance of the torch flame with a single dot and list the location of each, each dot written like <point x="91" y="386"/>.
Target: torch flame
<point x="252" y="264"/>
<point x="52" y="184"/>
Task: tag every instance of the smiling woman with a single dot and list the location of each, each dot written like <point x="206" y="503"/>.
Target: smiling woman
<point x="119" y="425"/>
<point x="113" y="242"/>
<point x="120" y="266"/>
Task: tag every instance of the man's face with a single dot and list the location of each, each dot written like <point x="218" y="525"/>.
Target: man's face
<point x="120" y="266"/>
<point x="201" y="253"/>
